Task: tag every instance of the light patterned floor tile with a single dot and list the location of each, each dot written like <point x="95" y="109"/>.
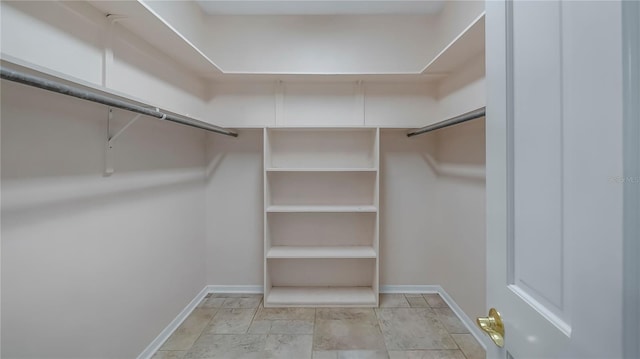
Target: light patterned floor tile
<point x="216" y="346"/>
<point x="285" y="346"/>
<point x="393" y="301"/>
<point x="299" y="327"/>
<point x="435" y="300"/>
<point x="450" y="321"/>
<point x="285" y="313"/>
<point x="412" y="329"/>
<point x="260" y="327"/>
<point x="212" y="302"/>
<point x="291" y="327"/>
<point x="242" y="303"/>
<point x="427" y="354"/>
<point x="231" y="321"/>
<point x="189" y="330"/>
<point x="169" y="354"/>
<point x="346" y="313"/>
<point x="325" y="354"/>
<point x="363" y="354"/>
<point x="351" y="354"/>
<point x="411" y="326"/>
<point x="469" y="346"/>
<point x="234" y="295"/>
<point x="417" y="301"/>
<point x="347" y="334"/>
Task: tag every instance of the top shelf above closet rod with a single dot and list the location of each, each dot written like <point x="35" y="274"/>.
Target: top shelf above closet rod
<point x="54" y="86"/>
<point x="471" y="115"/>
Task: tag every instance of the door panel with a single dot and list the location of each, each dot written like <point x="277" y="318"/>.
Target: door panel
<point x="537" y="157"/>
<point x="554" y="215"/>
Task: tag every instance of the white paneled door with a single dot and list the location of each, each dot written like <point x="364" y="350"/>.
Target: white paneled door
<point x="554" y="152"/>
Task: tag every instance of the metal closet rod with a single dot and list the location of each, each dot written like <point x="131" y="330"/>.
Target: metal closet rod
<point x="471" y="115"/>
<point x="54" y="86"/>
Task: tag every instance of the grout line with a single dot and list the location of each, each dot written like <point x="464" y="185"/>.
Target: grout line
<point x="205" y="327"/>
<point x="254" y="316"/>
<point x="313" y="334"/>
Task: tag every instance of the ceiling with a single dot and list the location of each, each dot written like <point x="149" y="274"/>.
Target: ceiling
<point x="320" y="7"/>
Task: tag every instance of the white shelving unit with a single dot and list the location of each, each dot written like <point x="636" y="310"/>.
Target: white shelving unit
<point x="321" y="217"/>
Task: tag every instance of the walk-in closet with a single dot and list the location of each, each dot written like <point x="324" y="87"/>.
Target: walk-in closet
<point x="255" y="179"/>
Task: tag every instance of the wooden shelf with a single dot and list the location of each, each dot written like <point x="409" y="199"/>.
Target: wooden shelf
<point x="152" y="28"/>
<point x="469" y="43"/>
<point x="321" y="296"/>
<point x="291" y="169"/>
<point x="320" y="208"/>
<point x="321" y="252"/>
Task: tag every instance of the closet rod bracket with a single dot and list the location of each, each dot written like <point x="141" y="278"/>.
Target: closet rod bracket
<point x="111" y="141"/>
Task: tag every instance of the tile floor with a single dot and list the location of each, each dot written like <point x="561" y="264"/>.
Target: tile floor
<point x="405" y="326"/>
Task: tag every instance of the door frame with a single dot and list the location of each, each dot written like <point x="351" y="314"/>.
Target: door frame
<point x="631" y="178"/>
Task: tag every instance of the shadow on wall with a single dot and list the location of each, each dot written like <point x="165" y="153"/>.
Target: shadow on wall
<point x="457" y="151"/>
<point x="25" y="203"/>
<point x="87" y="257"/>
<point x="53" y="156"/>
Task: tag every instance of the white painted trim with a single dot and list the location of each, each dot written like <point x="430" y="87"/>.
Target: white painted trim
<point x="631" y="179"/>
<point x="423" y="289"/>
<point x="153" y="347"/>
<point x="240" y="289"/>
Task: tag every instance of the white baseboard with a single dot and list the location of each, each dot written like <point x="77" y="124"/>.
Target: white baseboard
<point x="151" y="349"/>
<point x="258" y="289"/>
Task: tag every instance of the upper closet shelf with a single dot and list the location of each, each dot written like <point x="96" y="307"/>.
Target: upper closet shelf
<point x="468" y="44"/>
<point x="146" y="23"/>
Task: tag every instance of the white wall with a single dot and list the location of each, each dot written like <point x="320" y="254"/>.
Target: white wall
<point x="432" y="225"/>
<point x="93" y="266"/>
<point x="408" y="210"/>
<point x="464" y="90"/>
<point x="322" y="44"/>
<point x="461" y="207"/>
<point x="234" y="213"/>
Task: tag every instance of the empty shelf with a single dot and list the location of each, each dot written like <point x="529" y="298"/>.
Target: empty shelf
<point x="319" y="169"/>
<point x="321" y="252"/>
<point x="321" y="208"/>
<point x="320" y="297"/>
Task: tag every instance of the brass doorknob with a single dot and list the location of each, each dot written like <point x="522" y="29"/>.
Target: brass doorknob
<point x="492" y="325"/>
